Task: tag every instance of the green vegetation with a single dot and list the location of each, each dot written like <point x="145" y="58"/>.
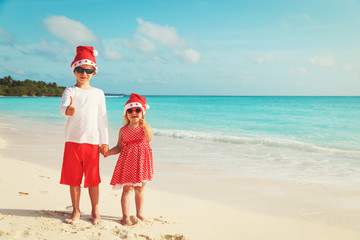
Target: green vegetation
<point x="10" y="87"/>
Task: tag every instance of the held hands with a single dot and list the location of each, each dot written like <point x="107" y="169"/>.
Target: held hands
<point x="70" y="110"/>
<point x="106" y="154"/>
<point x="104" y="150"/>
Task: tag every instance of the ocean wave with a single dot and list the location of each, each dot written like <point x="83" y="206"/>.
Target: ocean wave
<point x="257" y="140"/>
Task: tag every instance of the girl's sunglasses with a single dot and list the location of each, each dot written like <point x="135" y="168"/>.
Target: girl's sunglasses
<point x="138" y="110"/>
<point x="81" y="70"/>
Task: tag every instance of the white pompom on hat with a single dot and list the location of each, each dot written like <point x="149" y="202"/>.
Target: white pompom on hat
<point x="136" y="100"/>
<point x="85" y="55"/>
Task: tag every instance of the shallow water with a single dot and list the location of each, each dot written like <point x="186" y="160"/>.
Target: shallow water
<point x="293" y="138"/>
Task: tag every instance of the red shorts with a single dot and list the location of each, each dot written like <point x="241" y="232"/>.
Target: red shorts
<point x="79" y="159"/>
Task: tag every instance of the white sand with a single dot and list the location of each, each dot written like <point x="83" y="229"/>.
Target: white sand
<point x="33" y="204"/>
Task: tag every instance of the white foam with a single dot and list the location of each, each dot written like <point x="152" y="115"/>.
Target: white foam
<point x="257" y="140"/>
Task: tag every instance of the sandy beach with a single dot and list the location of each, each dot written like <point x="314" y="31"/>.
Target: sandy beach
<point x="181" y="203"/>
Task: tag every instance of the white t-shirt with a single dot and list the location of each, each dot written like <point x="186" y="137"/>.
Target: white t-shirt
<point x="90" y="121"/>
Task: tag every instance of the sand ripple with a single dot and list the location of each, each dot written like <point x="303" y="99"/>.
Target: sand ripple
<point x="47" y="224"/>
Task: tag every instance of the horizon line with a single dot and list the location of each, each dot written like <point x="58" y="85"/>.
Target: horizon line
<point x="179" y="95"/>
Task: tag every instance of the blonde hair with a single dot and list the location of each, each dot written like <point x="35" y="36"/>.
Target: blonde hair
<point x="126" y="121"/>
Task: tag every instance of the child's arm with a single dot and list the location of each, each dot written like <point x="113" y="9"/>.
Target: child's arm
<point x="116" y="149"/>
<point x="67" y="107"/>
<point x="70" y="110"/>
<point x="147" y="129"/>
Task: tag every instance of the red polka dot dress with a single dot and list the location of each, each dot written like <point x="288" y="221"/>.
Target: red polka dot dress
<point x="135" y="163"/>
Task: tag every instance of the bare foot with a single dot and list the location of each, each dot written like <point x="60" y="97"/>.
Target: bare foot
<point x="96" y="221"/>
<point x="74" y="217"/>
<point x="142" y="218"/>
<point x="95" y="217"/>
<point x="126" y="221"/>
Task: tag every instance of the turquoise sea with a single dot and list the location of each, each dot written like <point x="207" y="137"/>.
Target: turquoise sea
<point x="313" y="138"/>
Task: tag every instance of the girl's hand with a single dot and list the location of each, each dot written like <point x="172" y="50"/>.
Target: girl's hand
<point x="70" y="110"/>
<point x="106" y="154"/>
<point x="147" y="129"/>
<point x="142" y="122"/>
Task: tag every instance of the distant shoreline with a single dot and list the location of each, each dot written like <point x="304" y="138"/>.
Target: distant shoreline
<point x="115" y="95"/>
<point x="106" y="94"/>
<point x="244" y="96"/>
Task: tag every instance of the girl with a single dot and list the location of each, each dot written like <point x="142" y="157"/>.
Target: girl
<point x="134" y="167"/>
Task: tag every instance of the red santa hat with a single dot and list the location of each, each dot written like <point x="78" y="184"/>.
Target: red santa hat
<point x="136" y="100"/>
<point x="85" y="55"/>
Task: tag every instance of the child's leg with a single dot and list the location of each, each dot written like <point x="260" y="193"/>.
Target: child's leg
<point x="125" y="205"/>
<point x="94" y="198"/>
<point x="139" y="201"/>
<point x="75" y="199"/>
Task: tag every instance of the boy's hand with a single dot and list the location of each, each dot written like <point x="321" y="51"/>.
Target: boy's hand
<point x="142" y="122"/>
<point x="104" y="150"/>
<point x="70" y="110"/>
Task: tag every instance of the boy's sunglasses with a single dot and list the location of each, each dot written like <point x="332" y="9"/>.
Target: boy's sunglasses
<point x="81" y="70"/>
<point x="138" y="110"/>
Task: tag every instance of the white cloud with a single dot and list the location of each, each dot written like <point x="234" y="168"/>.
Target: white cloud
<point x="54" y="47"/>
<point x="356" y="77"/>
<point x="152" y="38"/>
<point x="266" y="59"/>
<point x="140" y="43"/>
<point x="14" y="70"/>
<point x="189" y="55"/>
<point x="296" y="20"/>
<point x="111" y="55"/>
<point x="166" y="35"/>
<point x="140" y="80"/>
<point x="299" y="71"/>
<point x="350" y="66"/>
<point x="51" y="51"/>
<point x="245" y="75"/>
<point x="347" y="67"/>
<point x="6" y="38"/>
<point x="158" y="81"/>
<point x="158" y="58"/>
<point x="327" y="60"/>
<point x="73" y="32"/>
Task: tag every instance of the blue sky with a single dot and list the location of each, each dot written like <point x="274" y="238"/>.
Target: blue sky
<point x="155" y="47"/>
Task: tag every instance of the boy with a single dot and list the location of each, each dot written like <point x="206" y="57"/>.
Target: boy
<point x="86" y="117"/>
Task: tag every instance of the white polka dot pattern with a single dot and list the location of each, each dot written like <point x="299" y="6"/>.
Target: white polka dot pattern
<point x="135" y="163"/>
